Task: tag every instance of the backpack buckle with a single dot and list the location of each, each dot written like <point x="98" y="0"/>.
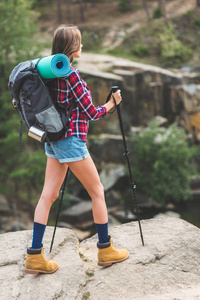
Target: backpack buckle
<point x="14" y="103"/>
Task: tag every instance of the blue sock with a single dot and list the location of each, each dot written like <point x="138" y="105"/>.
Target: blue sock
<point x="102" y="231"/>
<point x="38" y="233"/>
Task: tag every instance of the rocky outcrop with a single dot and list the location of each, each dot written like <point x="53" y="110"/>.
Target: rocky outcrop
<point x="147" y="91"/>
<point x="166" y="268"/>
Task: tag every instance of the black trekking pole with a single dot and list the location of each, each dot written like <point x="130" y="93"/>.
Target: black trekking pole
<point x="61" y="198"/>
<point x="126" y="153"/>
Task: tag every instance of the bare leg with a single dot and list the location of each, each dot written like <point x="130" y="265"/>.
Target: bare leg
<point x="54" y="176"/>
<point x="87" y="174"/>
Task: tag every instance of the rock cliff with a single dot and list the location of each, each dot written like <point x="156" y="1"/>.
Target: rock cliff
<point x="166" y="268"/>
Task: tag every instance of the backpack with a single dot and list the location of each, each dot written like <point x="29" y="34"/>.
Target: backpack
<point x="45" y="120"/>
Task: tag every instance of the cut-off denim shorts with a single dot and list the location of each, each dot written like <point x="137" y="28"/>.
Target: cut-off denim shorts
<point x="69" y="149"/>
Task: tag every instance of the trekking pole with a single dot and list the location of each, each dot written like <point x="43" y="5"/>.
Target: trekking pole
<point x="61" y="198"/>
<point x="126" y="153"/>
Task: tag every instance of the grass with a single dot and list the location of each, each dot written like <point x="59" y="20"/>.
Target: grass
<point x="86" y="296"/>
<point x="83" y="257"/>
<point x="90" y="272"/>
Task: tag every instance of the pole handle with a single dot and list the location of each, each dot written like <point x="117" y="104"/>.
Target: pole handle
<point x="114" y="88"/>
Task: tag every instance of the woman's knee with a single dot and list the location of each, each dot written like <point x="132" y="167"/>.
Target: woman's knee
<point x="49" y="197"/>
<point x="98" y="192"/>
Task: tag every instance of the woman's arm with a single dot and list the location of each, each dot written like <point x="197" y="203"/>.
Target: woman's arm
<point x="83" y="98"/>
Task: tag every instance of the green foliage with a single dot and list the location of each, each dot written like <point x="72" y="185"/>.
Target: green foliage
<point x="140" y="50"/>
<point x="196" y="22"/>
<point x="124" y="5"/>
<point x="173" y="52"/>
<point x="91" y="41"/>
<point x="157" y="13"/>
<point x="161" y="164"/>
<point x="17" y="28"/>
<point x="21" y="174"/>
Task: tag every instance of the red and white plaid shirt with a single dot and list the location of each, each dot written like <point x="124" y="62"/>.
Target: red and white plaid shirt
<point x="73" y="88"/>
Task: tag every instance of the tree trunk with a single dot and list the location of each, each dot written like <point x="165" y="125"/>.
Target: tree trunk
<point x="69" y="16"/>
<point x="81" y="7"/>
<point x="198" y="3"/>
<point x="146" y="8"/>
<point x="59" y="10"/>
<point x="162" y="6"/>
<point x="130" y="5"/>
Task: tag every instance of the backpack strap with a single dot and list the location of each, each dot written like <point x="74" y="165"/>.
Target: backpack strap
<point x="38" y="61"/>
<point x="63" y="117"/>
<point x="20" y="132"/>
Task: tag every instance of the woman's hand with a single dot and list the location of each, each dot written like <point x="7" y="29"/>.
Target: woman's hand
<point x="110" y="104"/>
<point x="117" y="96"/>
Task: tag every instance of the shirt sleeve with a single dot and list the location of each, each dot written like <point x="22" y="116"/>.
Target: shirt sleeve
<point x="83" y="98"/>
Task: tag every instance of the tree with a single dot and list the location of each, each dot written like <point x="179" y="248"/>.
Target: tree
<point x="59" y="10"/>
<point x="146" y="8"/>
<point x="198" y="3"/>
<point x="81" y="8"/>
<point x="69" y="17"/>
<point x="161" y="4"/>
<point x="17" y="29"/>
<point x="126" y="5"/>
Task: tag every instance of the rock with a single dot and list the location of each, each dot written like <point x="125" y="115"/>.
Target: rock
<point x="81" y="235"/>
<point x="64" y="284"/>
<point x="17" y="226"/>
<point x="110" y="174"/>
<point x="107" y="148"/>
<point x="113" y="198"/>
<point x="195" y="182"/>
<point x="185" y="100"/>
<point x="147" y="91"/>
<point x="4" y="207"/>
<point x="121" y="215"/>
<point x="168" y="214"/>
<point x="159" y="120"/>
<point x="166" y="268"/>
<point x="78" y="213"/>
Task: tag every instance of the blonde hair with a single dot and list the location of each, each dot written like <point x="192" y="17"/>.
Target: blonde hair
<point x="66" y="40"/>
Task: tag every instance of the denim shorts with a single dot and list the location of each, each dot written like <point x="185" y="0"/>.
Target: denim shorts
<point x="67" y="150"/>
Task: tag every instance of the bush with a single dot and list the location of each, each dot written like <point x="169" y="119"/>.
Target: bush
<point x="161" y="164"/>
<point x="140" y="50"/>
<point x="91" y="41"/>
<point x="123" y="6"/>
<point x="173" y="52"/>
<point x="196" y="22"/>
<point x="157" y="13"/>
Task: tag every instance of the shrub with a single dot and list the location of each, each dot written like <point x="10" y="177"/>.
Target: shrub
<point x="123" y="6"/>
<point x="157" y="13"/>
<point x="173" y="52"/>
<point x="161" y="164"/>
<point x="196" y="22"/>
<point x="140" y="50"/>
<point x="91" y="41"/>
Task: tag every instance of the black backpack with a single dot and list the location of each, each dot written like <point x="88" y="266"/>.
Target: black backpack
<point x="45" y="120"/>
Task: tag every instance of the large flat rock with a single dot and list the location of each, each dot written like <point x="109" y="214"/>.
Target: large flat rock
<point x="64" y="284"/>
<point x="166" y="268"/>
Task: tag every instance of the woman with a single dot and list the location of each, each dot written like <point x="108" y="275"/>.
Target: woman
<point x="71" y="151"/>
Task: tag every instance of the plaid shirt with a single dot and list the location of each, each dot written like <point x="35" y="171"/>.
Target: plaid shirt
<point x="73" y="88"/>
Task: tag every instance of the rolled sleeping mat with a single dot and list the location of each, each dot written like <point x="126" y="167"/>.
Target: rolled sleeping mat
<point x="53" y="66"/>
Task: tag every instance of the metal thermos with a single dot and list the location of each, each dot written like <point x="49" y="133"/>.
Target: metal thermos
<point x="37" y="133"/>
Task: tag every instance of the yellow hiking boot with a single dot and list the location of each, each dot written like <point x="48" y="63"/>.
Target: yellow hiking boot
<point x="37" y="263"/>
<point x="108" y="255"/>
